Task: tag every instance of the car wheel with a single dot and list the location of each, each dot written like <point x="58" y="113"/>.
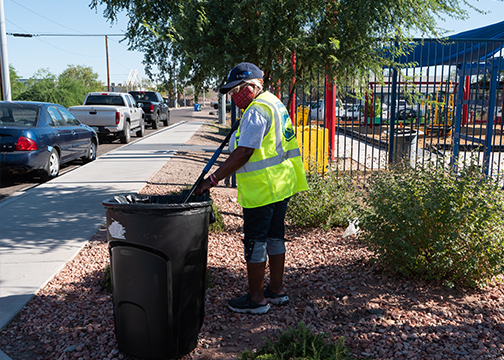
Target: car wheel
<point x="155" y="122"/>
<point x="126" y="135"/>
<point x="167" y="121"/>
<point x="52" y="167"/>
<point x="141" y="132"/>
<point x="91" y="153"/>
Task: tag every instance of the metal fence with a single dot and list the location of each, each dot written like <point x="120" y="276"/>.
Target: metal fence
<point x="446" y="107"/>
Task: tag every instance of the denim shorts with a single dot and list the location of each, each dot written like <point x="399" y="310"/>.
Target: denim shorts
<point x="265" y="226"/>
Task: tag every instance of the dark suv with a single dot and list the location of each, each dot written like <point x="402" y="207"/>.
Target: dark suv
<point x="154" y="107"/>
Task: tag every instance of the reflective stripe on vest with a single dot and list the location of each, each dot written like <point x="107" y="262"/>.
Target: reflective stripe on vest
<point x="263" y="164"/>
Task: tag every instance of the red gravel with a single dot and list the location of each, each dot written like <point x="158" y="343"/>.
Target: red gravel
<point x="332" y="286"/>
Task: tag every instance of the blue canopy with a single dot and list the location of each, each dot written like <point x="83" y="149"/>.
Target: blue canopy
<point x="467" y="46"/>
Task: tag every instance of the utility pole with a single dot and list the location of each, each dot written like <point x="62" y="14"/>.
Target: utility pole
<point x="176" y="94"/>
<point x="222" y="106"/>
<point x="4" y="62"/>
<point x="108" y="68"/>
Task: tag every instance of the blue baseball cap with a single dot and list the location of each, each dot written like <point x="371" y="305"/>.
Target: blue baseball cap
<point x="242" y="71"/>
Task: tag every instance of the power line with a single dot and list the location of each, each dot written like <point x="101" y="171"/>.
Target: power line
<point x="30" y="10"/>
<point x="37" y="35"/>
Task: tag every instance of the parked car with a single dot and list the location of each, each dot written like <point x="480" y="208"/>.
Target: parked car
<point x="39" y="137"/>
<point x="317" y="109"/>
<point x="407" y="115"/>
<point x="111" y="114"/>
<point x="156" y="109"/>
<point x="354" y="112"/>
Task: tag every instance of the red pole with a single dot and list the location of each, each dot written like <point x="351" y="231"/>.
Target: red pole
<point x="366" y="108"/>
<point x="465" y="107"/>
<point x="330" y="116"/>
<point x="372" y="111"/>
<point x="330" y="102"/>
<point x="292" y="108"/>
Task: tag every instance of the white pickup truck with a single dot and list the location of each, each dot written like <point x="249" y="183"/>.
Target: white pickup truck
<point x="111" y="114"/>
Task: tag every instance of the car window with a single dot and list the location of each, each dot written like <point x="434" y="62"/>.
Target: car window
<point x="96" y="100"/>
<point x="137" y="96"/>
<point x="68" y="116"/>
<point x="117" y="100"/>
<point x="55" y="116"/>
<point x="19" y="115"/>
<point x="105" y="100"/>
<point x="129" y="100"/>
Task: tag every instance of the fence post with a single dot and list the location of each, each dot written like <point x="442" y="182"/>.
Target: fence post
<point x="490" y="118"/>
<point x="329" y="114"/>
<point x="222" y="107"/>
<point x="233" y="120"/>
<point x="393" y="115"/>
<point x="292" y="107"/>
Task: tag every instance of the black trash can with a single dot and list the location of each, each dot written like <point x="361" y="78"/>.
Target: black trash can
<point x="158" y="255"/>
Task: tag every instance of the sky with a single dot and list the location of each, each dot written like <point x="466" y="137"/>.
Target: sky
<point x="55" y="53"/>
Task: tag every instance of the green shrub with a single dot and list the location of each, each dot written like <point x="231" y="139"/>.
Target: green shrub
<point x="106" y="282"/>
<point x="218" y="226"/>
<point x="298" y="344"/>
<point x="329" y="201"/>
<point x="429" y="223"/>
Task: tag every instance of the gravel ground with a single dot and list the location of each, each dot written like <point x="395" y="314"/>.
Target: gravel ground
<point x="332" y="286"/>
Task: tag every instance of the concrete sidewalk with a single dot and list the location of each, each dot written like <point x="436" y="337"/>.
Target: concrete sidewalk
<point x="47" y="226"/>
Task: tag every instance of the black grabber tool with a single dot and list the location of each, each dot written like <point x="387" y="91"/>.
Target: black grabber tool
<point x="211" y="162"/>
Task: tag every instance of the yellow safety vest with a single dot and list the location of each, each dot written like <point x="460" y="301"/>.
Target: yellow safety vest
<point x="275" y="171"/>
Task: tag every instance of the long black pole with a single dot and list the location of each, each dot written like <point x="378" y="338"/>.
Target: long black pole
<point x="211" y="162"/>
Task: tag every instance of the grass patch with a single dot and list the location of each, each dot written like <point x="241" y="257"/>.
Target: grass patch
<point x="106" y="282"/>
<point x="217" y="226"/>
<point x="299" y="344"/>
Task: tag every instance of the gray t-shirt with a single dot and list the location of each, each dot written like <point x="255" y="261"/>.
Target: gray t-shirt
<point x="253" y="128"/>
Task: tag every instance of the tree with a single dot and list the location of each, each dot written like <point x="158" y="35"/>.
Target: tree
<point x="17" y="86"/>
<point x="202" y="40"/>
<point x="68" y="89"/>
<point x="84" y="74"/>
<point x="45" y="86"/>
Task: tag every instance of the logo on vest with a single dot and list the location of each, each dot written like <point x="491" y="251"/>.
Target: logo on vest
<point x="287" y="130"/>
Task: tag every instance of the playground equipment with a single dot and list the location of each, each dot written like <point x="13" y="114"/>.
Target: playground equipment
<point x="442" y="110"/>
<point x="302" y="115"/>
<point x="314" y="144"/>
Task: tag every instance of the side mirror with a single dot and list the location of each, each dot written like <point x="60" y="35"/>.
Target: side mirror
<point x="139" y="105"/>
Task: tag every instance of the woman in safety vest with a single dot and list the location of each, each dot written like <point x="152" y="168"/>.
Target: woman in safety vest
<point x="267" y="161"/>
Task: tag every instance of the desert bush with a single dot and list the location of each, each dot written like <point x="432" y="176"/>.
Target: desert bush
<point x="428" y="222"/>
<point x="329" y="201"/>
<point x="218" y="226"/>
<point x="298" y="344"/>
<point x="106" y="282"/>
